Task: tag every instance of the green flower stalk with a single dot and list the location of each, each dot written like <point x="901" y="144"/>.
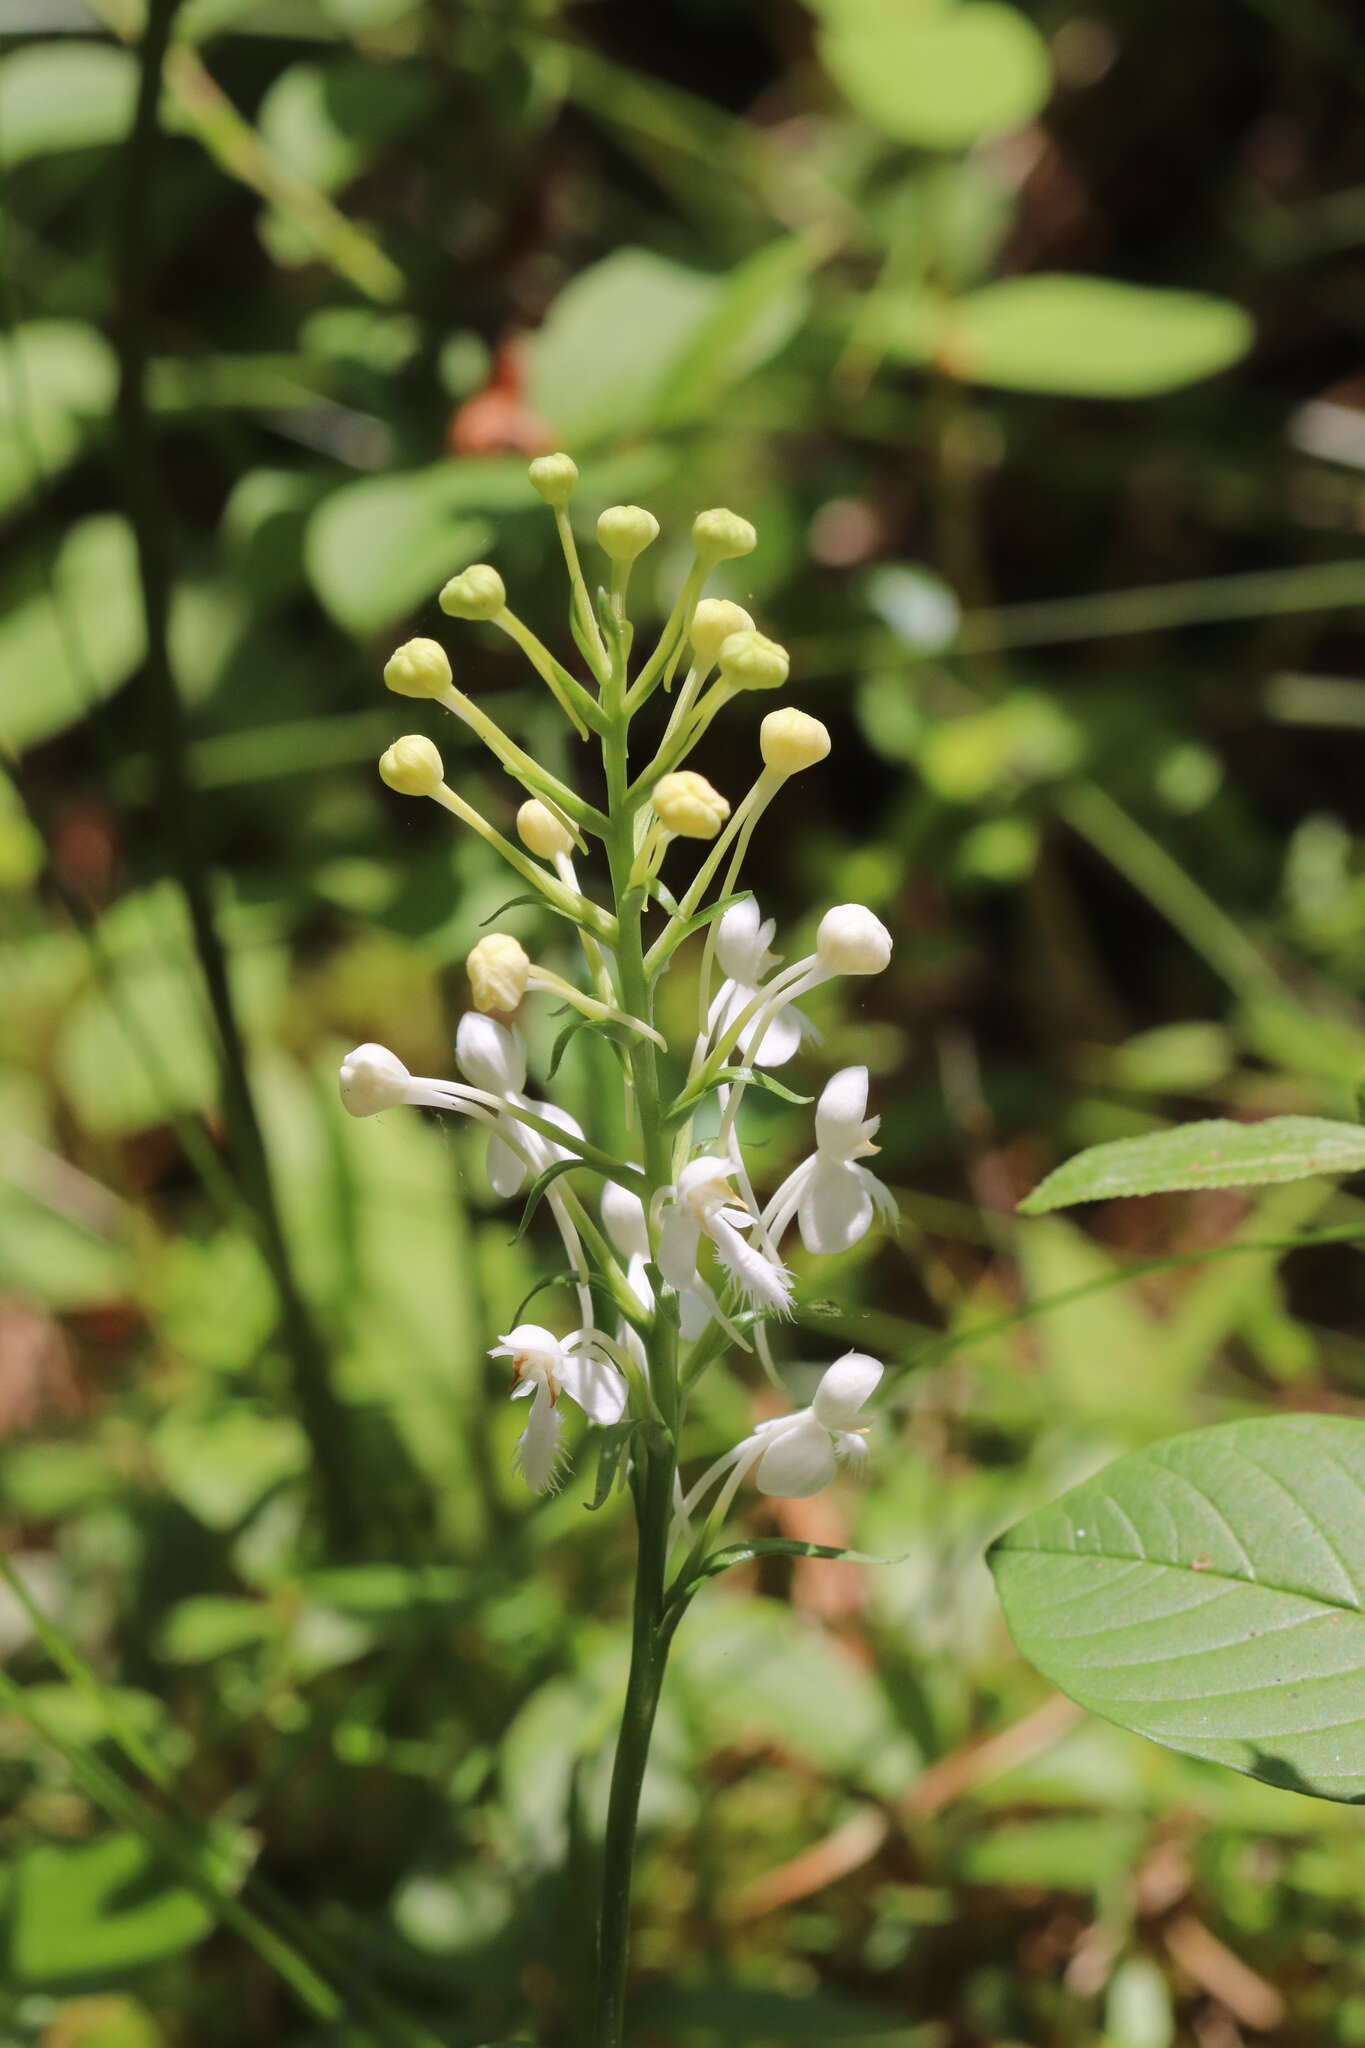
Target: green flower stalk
<point x="673" y="1260"/>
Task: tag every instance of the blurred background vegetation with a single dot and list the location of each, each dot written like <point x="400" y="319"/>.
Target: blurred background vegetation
<point x="1031" y="338"/>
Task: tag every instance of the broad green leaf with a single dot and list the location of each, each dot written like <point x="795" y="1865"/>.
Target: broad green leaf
<point x="221" y="1464"/>
<point x="326" y="120"/>
<point x="66" y="94"/>
<point x="940" y="77"/>
<point x="1216" y="1154"/>
<point x="98" y="1909"/>
<point x="1080" y="337"/>
<point x="1209" y="1592"/>
<point x="212" y="1625"/>
<point x="757" y="310"/>
<point x="63" y="652"/>
<point x="57" y="378"/>
<point x="378" y="548"/>
<point x="611" y="341"/>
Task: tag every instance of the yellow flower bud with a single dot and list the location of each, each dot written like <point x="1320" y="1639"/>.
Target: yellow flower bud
<point x="625" y="531"/>
<point x="686" y="803"/>
<point x="553" y="478"/>
<point x="719" y="535"/>
<point x="750" y="661"/>
<point x="714" y="620"/>
<point x="541" y="831"/>
<point x="498" y="971"/>
<point x="419" y="668"/>
<point x="791" y="740"/>
<point x="412" y="766"/>
<point x="478" y="593"/>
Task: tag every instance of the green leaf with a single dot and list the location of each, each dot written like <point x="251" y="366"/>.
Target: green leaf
<point x="377" y="548"/>
<point x="1216" y="1154"/>
<point x="937" y="76"/>
<point x="57" y="379"/>
<point x="538" y="1187"/>
<point x="212" y="1625"/>
<point x="600" y="362"/>
<point x="96" y="1910"/>
<point x="757" y="310"/>
<point x="54" y="676"/>
<point x="64" y="95"/>
<point x="327" y="120"/>
<point x="1078" y="337"/>
<point x="1209" y="1592"/>
<point x="612" y="1445"/>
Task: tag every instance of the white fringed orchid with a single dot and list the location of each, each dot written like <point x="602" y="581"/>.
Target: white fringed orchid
<point x="832" y="1196"/>
<point x="703" y="1203"/>
<point x="544" y="1367"/>
<point x="795" y="1455"/>
<point x="743" y="939"/>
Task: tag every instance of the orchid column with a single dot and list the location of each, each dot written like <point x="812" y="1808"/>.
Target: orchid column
<point x="672" y="1260"/>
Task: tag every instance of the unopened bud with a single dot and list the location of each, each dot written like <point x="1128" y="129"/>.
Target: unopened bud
<point x="498" y="971"/>
<point x="476" y="593"/>
<point x="687" y="804"/>
<point x="553" y="478"/>
<point x="750" y="661"/>
<point x="625" y="531"/>
<point x="539" y="829"/>
<point x="851" y="940"/>
<point x="791" y="740"/>
<point x="489" y="1055"/>
<point x="372" y="1078"/>
<point x="412" y="766"/>
<point x="720" y="535"/>
<point x="714" y="620"/>
<point x="419" y="668"/>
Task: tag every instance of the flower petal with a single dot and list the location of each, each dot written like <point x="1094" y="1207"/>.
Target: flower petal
<point x="780" y="1041"/>
<point x="835" y="1209"/>
<point x="840" y="1113"/>
<point x="506" y="1168"/>
<point x="679" y="1242"/>
<point x="538" y="1453"/>
<point x="798" y="1460"/>
<point x="594" y="1383"/>
<point x="845" y="1387"/>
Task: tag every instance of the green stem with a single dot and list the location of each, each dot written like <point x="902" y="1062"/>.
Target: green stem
<point x="1144" y="862"/>
<point x="653" y="1483"/>
<point x="652" y="1475"/>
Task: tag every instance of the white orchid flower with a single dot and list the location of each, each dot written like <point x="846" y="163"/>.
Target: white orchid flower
<point x="743" y="939"/>
<point x="848" y="940"/>
<point x="703" y="1203"/>
<point x="797" y="1455"/>
<point x="544" y="1367"/>
<point x="623" y="1214"/>
<point x="833" y="1198"/>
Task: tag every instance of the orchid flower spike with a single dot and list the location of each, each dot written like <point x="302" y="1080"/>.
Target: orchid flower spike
<point x="832" y="1196"/>
<point x="703" y="1203"/>
<point x="796" y="1455"/>
<point x="743" y="938"/>
<point x="544" y="1367"/>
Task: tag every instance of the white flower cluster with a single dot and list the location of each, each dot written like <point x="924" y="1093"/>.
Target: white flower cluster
<point x="681" y="1252"/>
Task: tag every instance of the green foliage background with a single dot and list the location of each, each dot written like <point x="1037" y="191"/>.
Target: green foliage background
<point x="1031" y="340"/>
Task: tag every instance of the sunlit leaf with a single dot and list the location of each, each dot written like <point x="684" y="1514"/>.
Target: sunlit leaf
<point x="83" y="1910"/>
<point x="938" y="76"/>
<point x="63" y="651"/>
<point x="1215" y="1154"/>
<point x="64" y="94"/>
<point x="378" y="548"/>
<point x="1081" y="337"/>
<point x="1209" y="1592"/>
<point x="611" y="340"/>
